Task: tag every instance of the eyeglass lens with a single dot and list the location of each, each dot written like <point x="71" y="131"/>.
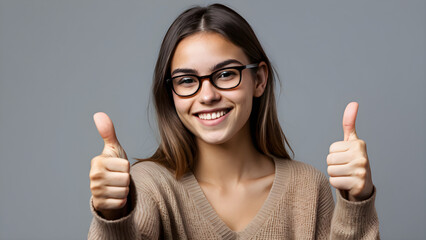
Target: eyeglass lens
<point x="224" y="79"/>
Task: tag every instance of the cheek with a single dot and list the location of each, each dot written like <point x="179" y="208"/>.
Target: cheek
<point x="244" y="102"/>
<point x="181" y="106"/>
<point x="248" y="105"/>
<point x="246" y="97"/>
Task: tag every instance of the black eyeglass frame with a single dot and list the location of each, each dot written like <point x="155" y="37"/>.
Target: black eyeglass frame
<point x="200" y="78"/>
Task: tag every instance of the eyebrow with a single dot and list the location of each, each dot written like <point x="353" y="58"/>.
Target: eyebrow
<point x="214" y="68"/>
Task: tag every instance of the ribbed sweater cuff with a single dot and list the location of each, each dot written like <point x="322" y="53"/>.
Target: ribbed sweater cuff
<point x="354" y="209"/>
<point x="122" y="228"/>
<point x="102" y="220"/>
<point x="102" y="228"/>
<point x="355" y="219"/>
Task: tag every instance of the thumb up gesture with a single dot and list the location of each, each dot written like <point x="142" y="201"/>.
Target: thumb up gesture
<point x="347" y="161"/>
<point x="109" y="172"/>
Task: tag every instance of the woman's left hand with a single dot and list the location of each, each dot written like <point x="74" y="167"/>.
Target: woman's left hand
<point x="347" y="161"/>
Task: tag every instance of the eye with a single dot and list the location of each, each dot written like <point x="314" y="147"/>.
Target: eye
<point x="226" y="74"/>
<point x="185" y="81"/>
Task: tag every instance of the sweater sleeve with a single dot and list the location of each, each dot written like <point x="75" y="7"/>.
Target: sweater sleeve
<point x="142" y="222"/>
<point x="324" y="210"/>
<point x="101" y="228"/>
<point x="355" y="220"/>
<point x="346" y="219"/>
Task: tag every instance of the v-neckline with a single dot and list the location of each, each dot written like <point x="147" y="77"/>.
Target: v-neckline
<point x="207" y="210"/>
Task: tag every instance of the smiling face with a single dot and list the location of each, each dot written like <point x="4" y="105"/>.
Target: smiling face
<point x="212" y="115"/>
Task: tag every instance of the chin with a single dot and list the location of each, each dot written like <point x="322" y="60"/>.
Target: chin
<point x="216" y="140"/>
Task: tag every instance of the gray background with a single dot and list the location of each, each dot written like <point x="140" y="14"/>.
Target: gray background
<point x="62" y="61"/>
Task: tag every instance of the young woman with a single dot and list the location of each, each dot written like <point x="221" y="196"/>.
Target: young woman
<point x="222" y="170"/>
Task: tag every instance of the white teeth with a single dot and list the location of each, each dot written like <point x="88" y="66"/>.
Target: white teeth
<point x="211" y="116"/>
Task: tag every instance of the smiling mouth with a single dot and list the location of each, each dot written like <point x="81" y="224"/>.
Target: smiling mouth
<point x="212" y="115"/>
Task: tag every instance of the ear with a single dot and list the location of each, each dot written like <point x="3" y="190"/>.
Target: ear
<point x="261" y="79"/>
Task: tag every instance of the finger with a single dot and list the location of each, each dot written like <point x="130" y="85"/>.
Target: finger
<point x="106" y="129"/>
<point x="342" y="183"/>
<point x="117" y="165"/>
<point x="117" y="179"/>
<point x="115" y="192"/>
<point x="341" y="146"/>
<point x="349" y="118"/>
<point x="109" y="203"/>
<point x="344" y="170"/>
<point x="339" y="158"/>
<point x="109" y="192"/>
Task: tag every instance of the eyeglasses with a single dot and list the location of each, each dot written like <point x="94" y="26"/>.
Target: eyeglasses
<point x="224" y="78"/>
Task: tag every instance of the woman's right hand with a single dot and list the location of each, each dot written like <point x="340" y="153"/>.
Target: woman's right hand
<point x="109" y="173"/>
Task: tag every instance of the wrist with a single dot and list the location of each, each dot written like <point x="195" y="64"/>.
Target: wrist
<point x="361" y="197"/>
<point x="113" y="214"/>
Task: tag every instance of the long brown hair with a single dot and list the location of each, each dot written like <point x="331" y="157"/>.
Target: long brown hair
<point x="177" y="150"/>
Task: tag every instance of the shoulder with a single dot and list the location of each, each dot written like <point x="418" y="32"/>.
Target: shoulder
<point x="149" y="167"/>
<point x="302" y="173"/>
<point x="149" y="175"/>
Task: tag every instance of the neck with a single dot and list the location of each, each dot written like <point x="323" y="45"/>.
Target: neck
<point x="231" y="163"/>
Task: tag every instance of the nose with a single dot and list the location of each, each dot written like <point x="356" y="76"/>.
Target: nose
<point x="208" y="93"/>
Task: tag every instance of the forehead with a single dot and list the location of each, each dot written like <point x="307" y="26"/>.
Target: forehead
<point x="202" y="50"/>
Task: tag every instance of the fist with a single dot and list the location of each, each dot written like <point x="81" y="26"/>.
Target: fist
<point x="348" y="164"/>
<point x="109" y="172"/>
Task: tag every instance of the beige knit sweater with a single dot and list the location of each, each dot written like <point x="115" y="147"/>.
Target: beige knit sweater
<point x="299" y="206"/>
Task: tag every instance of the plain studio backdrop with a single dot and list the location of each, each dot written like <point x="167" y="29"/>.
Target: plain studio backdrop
<point x="62" y="61"/>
